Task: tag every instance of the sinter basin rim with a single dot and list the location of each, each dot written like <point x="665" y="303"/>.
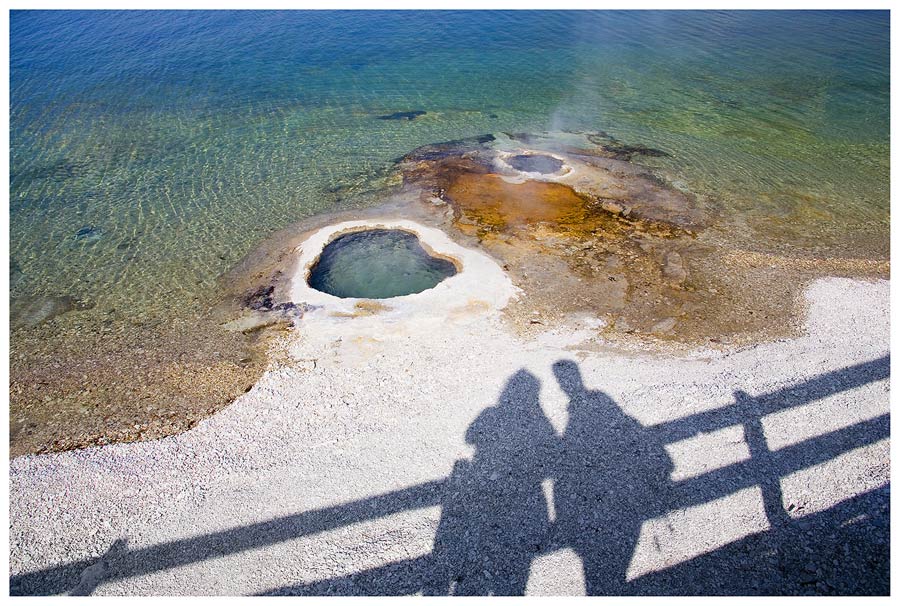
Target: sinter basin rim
<point x="481" y="286"/>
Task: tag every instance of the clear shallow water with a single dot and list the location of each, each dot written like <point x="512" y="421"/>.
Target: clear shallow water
<point x="186" y="137"/>
<point x="377" y="264"/>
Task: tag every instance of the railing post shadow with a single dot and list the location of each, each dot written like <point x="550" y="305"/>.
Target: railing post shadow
<point x="761" y="461"/>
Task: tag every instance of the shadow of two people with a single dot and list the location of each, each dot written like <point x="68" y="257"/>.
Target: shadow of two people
<point x="606" y="474"/>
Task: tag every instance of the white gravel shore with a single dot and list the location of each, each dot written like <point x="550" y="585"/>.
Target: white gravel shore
<point x="447" y="455"/>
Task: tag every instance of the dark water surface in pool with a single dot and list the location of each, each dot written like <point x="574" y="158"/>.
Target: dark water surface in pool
<point x="149" y="151"/>
<point x="536" y="163"/>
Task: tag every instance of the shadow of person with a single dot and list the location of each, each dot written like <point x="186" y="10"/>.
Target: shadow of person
<point x="495" y="517"/>
<point x="610" y="477"/>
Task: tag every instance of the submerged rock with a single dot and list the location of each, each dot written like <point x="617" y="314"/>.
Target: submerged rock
<point x="446" y="149"/>
<point x="626" y="152"/>
<point x="411" y="115"/>
<point x="617" y="150"/>
<point x="88" y="233"/>
<point x="31" y="311"/>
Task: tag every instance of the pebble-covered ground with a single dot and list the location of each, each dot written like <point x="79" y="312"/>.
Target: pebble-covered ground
<point x="445" y="455"/>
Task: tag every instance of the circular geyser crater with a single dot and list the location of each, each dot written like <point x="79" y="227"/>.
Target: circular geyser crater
<point x="536" y="163"/>
<point x="377" y="264"/>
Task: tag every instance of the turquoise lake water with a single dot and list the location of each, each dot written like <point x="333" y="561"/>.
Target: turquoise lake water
<point x="151" y="150"/>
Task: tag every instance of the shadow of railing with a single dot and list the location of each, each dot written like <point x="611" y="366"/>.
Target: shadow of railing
<point x="764" y="468"/>
<point x="182" y="552"/>
<point x="743" y="567"/>
<point x="843" y="550"/>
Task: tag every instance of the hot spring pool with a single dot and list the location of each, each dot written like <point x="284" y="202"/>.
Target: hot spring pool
<point x="377" y="264"/>
<point x="536" y="163"/>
